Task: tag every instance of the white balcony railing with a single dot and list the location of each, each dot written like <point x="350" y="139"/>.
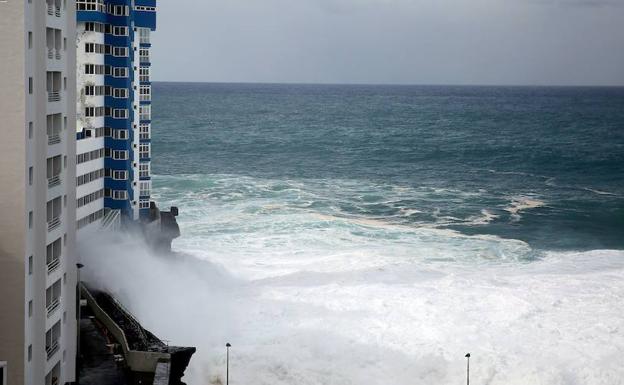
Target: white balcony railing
<point x="54" y="139"/>
<point x="53" y="306"/>
<point x="58" y="55"/>
<point x="54" y="96"/>
<point x="50" y="54"/>
<point x="57" y="12"/>
<point x="54" y="223"/>
<point x="53" y="265"/>
<point x="50" y="9"/>
<point x="52" y="348"/>
<point x="54" y="181"/>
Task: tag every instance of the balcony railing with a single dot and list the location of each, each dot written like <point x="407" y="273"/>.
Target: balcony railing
<point x="54" y="223"/>
<point x="54" y="139"/>
<point x="53" y="265"/>
<point x="58" y="55"/>
<point x="50" y="9"/>
<point x="54" y="96"/>
<point x="53" y="306"/>
<point x="50" y="54"/>
<point x="52" y="348"/>
<point x="54" y="181"/>
<point x="57" y="12"/>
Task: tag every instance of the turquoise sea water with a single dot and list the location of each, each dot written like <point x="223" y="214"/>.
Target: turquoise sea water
<point x="375" y="234"/>
<point x="543" y="165"/>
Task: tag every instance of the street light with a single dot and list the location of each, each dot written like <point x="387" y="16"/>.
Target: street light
<point x="227" y="363"/>
<point x="467" y="369"/>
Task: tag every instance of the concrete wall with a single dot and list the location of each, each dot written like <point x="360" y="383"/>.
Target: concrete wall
<point x="13" y="216"/>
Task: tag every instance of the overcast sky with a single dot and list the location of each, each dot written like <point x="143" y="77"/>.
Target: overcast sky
<point x="561" y="42"/>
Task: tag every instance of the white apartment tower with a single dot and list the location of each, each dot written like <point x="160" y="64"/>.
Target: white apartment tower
<point x="37" y="192"/>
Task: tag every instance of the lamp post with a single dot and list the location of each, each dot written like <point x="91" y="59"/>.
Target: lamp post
<point x="227" y="363"/>
<point x="79" y="296"/>
<point x="467" y="369"/>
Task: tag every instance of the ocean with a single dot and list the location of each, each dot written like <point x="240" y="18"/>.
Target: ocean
<point x="375" y="234"/>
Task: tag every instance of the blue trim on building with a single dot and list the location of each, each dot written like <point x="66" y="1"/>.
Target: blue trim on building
<point x="137" y="18"/>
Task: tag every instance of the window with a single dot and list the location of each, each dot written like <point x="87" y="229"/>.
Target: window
<point x="144" y="55"/>
<point x="144" y="189"/>
<point x="118" y="10"/>
<point x="120" y="31"/>
<point x="29" y="353"/>
<point x="120" y="93"/>
<point x="120" y="113"/>
<point x="120" y="72"/>
<point x="144" y="170"/>
<point x="144" y="74"/>
<point x="120" y="51"/>
<point x="30" y="265"/>
<point x="82" y="222"/>
<point x="30" y="309"/>
<point x="119" y="134"/>
<point x="90" y="5"/>
<point x="30" y="130"/>
<point x="94" y="196"/>
<point x="117" y="154"/>
<point x="30" y="85"/>
<point x="144" y="131"/>
<point x="116" y="194"/>
<point x="144" y="204"/>
<point x="145" y="112"/>
<point x="144" y="35"/>
<point x="144" y="151"/>
<point x="30" y="176"/>
<point x="145" y="93"/>
<point x="30" y="220"/>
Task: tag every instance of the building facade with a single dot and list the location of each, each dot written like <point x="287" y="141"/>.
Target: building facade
<point x="38" y="269"/>
<point x="113" y="110"/>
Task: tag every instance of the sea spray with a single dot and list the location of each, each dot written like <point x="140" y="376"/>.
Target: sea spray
<point x="387" y="323"/>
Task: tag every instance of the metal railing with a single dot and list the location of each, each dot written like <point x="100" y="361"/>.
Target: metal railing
<point x="54" y="96"/>
<point x="50" y="9"/>
<point x="54" y="181"/>
<point x="58" y="55"/>
<point x="50" y="53"/>
<point x="111" y="220"/>
<point x="54" y="139"/>
<point x="52" y="348"/>
<point x="53" y="265"/>
<point x="53" y="306"/>
<point x="54" y="223"/>
<point x="57" y="12"/>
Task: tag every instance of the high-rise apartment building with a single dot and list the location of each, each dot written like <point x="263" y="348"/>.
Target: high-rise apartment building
<point x="38" y="192"/>
<point x="113" y="110"/>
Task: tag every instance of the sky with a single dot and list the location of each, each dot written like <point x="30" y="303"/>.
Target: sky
<point x="498" y="42"/>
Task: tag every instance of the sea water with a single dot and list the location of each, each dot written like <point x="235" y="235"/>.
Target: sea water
<point x="375" y="234"/>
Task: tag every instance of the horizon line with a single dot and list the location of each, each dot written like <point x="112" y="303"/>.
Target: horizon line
<point x="394" y="84"/>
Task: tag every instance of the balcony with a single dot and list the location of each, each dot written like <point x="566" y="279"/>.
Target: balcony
<point x="52" y="348"/>
<point x="50" y="9"/>
<point x="54" y="96"/>
<point x="54" y="181"/>
<point x="54" y="139"/>
<point x="54" y="223"/>
<point x="57" y="11"/>
<point x="53" y="307"/>
<point x="50" y="54"/>
<point x="54" y="265"/>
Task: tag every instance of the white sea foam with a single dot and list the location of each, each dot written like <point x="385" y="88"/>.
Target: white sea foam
<point x="522" y="203"/>
<point x="308" y="298"/>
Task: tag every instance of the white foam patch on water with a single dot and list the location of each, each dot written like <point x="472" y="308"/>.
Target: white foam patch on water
<point x="311" y="296"/>
<point x="522" y="203"/>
